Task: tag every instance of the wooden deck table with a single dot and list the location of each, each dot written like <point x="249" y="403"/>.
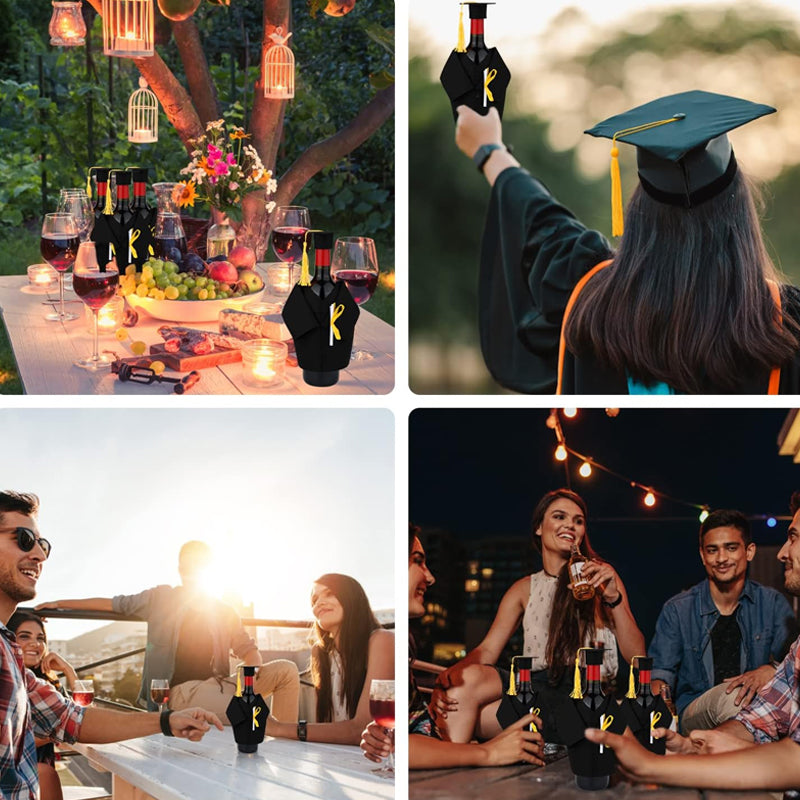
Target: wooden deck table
<point x="45" y="353"/>
<point x="554" y="781"/>
<point x="213" y="769"/>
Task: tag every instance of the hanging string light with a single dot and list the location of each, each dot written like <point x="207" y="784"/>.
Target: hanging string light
<point x="67" y="28"/>
<point x="704" y="515"/>
<point x="585" y="469"/>
<point x="561" y="453"/>
<point x="143" y="115"/>
<point x="278" y="70"/>
<point x="128" y="28"/>
<point x="649" y="499"/>
<point x="570" y="413"/>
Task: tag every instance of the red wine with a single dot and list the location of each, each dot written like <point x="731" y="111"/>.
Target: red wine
<point x="95" y="288"/>
<point x="59" y="251"/>
<point x="361" y="284"/>
<point x="160" y="696"/>
<point x="382" y="712"/>
<point x="83" y="698"/>
<point x="288" y="243"/>
<point x="162" y="247"/>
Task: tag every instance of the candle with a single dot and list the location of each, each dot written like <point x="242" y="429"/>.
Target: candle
<point x="42" y="276"/>
<point x="109" y="317"/>
<point x="263" y="362"/>
<point x="282" y="277"/>
<point x="142" y="135"/>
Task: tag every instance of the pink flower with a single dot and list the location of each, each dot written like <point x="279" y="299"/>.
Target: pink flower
<point x="221" y="168"/>
<point x="213" y="179"/>
<point x="214" y="152"/>
<point x="233" y="186"/>
<point x="231" y="160"/>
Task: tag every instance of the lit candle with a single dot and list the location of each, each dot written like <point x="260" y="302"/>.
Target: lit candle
<point x="264" y="362"/>
<point x="142" y="135"/>
<point x="109" y="317"/>
<point x="42" y="276"/>
<point x="262" y="369"/>
<point x="282" y="277"/>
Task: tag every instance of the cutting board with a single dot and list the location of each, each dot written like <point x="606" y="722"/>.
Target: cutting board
<point x="185" y="360"/>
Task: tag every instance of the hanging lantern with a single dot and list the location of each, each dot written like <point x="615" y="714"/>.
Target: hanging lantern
<point x="143" y="115"/>
<point x="67" y="28"/>
<point x="279" y="68"/>
<point x="128" y="29"/>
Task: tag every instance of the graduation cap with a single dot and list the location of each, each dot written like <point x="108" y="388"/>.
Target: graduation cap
<point x="322" y="327"/>
<point x="475" y="76"/>
<point x="247" y="712"/>
<point x="100" y="175"/>
<point x="684" y="156"/>
<point x="644" y="712"/>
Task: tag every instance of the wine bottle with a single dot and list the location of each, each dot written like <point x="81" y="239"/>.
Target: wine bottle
<point x="104" y="254"/>
<point x="593" y="698"/>
<point x="322" y="284"/>
<point x="644" y="692"/>
<point x="476" y="49"/>
<point x="581" y="588"/>
<point x="139" y="205"/>
<point x="122" y="208"/>
<point x="249" y="699"/>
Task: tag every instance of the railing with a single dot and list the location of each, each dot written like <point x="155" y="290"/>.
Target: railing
<point x="427" y="668"/>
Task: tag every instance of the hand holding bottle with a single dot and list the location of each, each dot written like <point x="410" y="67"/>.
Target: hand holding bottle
<point x="603" y="578"/>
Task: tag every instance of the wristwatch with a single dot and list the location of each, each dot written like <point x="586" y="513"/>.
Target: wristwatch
<point x="302" y="731"/>
<point x="613" y="603"/>
<point x="482" y="154"/>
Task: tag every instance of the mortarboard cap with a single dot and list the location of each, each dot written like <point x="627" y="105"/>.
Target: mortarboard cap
<point x="139" y="174"/>
<point x="684" y="156"/>
<point x="477" y="10"/>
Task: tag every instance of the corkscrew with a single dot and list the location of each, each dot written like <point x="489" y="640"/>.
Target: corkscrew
<point x="137" y="374"/>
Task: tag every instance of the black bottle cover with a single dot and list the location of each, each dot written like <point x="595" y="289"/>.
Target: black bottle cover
<point x="248" y="714"/>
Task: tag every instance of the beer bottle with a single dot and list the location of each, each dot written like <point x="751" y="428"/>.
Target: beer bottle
<point x="581" y="588"/>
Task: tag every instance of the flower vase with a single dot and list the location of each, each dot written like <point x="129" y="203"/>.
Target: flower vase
<point x="221" y="235"/>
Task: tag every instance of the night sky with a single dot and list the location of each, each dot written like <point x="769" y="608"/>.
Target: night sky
<point x="480" y="472"/>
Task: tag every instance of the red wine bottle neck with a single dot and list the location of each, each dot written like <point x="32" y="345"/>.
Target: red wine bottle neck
<point x="140" y="195"/>
<point x="476" y="41"/>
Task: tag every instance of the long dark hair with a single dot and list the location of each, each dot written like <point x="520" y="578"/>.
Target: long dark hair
<point x="686" y="300"/>
<point x="358" y="623"/>
<point x="571" y="622"/>
<point x="17" y="618"/>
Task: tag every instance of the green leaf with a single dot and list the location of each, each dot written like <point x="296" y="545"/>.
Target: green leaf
<point x="315" y="6"/>
<point x="380" y="35"/>
<point x="381" y="80"/>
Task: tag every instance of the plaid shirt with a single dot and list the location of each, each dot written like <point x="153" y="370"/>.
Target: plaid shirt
<point x="27" y="706"/>
<point x="774" y="712"/>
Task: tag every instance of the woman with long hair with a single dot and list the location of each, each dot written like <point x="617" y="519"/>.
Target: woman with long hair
<point x="349" y="651"/>
<point x="555" y="625"/>
<point x="689" y="302"/>
<point x="32" y="639"/>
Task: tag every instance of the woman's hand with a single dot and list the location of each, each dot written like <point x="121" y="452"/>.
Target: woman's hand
<point x="474" y="130"/>
<point x="516" y="743"/>
<point x="635" y="762"/>
<point x="53" y="662"/>
<point x="375" y="742"/>
<point x="604" y="579"/>
<point x="441" y="703"/>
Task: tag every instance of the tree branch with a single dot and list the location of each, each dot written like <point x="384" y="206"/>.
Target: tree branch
<point x="198" y="75"/>
<point x="319" y="155"/>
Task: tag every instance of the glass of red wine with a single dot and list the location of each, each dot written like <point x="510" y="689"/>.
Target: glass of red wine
<point x="381" y="708"/>
<point x="95" y="287"/>
<point x="355" y="262"/>
<point x="59" y="247"/>
<point x="159" y="692"/>
<point x="77" y="203"/>
<point x="289" y="226"/>
<point x="83" y="692"/>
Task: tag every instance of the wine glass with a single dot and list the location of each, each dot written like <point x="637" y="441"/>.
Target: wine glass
<point x="381" y="708"/>
<point x="355" y="262"/>
<point x="95" y="287"/>
<point x="159" y="692"/>
<point x="59" y="246"/>
<point x="83" y="692"/>
<point x="289" y="227"/>
<point x="77" y="203"/>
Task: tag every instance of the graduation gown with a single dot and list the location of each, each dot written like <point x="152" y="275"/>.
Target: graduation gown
<point x="308" y="318"/>
<point x="249" y="721"/>
<point x="533" y="253"/>
<point x="585" y="757"/>
<point x="637" y="718"/>
<point x="515" y="707"/>
<point x="463" y="80"/>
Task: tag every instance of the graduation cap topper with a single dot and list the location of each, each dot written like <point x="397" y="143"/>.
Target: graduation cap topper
<point x="683" y="153"/>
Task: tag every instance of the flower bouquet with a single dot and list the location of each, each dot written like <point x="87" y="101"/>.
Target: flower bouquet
<point x="223" y="170"/>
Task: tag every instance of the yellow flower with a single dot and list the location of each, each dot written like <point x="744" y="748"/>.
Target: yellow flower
<point x="238" y="133"/>
<point x="203" y="164"/>
<point x="185" y="194"/>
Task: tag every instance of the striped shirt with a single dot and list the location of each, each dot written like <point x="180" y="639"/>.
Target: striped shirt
<point x="774" y="712"/>
<point x="28" y="706"/>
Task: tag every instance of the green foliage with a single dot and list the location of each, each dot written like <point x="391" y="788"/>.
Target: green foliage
<point x="127" y="687"/>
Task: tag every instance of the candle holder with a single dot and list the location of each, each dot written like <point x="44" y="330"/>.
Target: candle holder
<point x="264" y="309"/>
<point x="282" y="276"/>
<point x="41" y="279"/>
<point x="109" y="317"/>
<point x="67" y="28"/>
<point x="264" y="363"/>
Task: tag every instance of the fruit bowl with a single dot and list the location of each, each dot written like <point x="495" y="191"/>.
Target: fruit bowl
<point x="190" y="310"/>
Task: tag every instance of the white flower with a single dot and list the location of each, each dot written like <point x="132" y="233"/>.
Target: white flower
<point x="272" y="186"/>
<point x="216" y="125"/>
<point x="198" y="175"/>
<point x="187" y="170"/>
<point x="270" y="206"/>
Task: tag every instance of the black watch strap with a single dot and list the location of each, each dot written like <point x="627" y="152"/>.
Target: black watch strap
<point x="613" y="603"/>
<point x="164" y="720"/>
<point x="482" y="154"/>
<point x="302" y="730"/>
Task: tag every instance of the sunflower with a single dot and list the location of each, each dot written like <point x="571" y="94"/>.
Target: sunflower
<point x="185" y="194"/>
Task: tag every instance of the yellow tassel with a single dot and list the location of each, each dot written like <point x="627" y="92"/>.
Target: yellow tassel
<point x="631" y="683"/>
<point x="617" y="226"/>
<point x="577" y="693"/>
<point x="305" y="272"/>
<point x="238" y="681"/>
<point x="512" y="684"/>
<point x="89" y="183"/>
<point x="461" y="46"/>
<point x="109" y="206"/>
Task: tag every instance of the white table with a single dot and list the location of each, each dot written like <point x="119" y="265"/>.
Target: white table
<point x="213" y="769"/>
<point x="45" y="353"/>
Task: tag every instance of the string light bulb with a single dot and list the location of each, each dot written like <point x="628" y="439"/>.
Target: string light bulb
<point x="561" y="453"/>
<point x="552" y="422"/>
<point x="649" y="499"/>
<point x="585" y="470"/>
<point x="771" y="522"/>
<point x="703" y="515"/>
<point x="570" y="413"/>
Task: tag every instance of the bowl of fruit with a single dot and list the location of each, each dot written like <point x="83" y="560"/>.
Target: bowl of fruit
<point x="189" y="289"/>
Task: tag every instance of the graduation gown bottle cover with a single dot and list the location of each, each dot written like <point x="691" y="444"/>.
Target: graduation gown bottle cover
<point x="321" y="316"/>
<point x="476" y="76"/>
<point x="247" y="713"/>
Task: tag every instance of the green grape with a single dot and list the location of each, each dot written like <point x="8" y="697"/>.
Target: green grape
<point x="201" y="281"/>
<point x="189" y="282"/>
<point x="171" y="293"/>
<point x="212" y="295"/>
<point x="183" y="290"/>
<point x="202" y="294"/>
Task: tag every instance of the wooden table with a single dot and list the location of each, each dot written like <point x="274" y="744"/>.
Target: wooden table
<point x="45" y="353"/>
<point x="552" y="782"/>
<point x="213" y="769"/>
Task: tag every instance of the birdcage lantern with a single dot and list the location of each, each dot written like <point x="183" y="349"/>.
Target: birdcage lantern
<point x="67" y="28"/>
<point x="128" y="28"/>
<point x="279" y="67"/>
<point x="143" y="115"/>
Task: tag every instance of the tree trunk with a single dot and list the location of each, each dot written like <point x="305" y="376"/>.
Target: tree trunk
<point x="198" y="76"/>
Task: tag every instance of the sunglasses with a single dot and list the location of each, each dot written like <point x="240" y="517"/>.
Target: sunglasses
<point x="27" y="540"/>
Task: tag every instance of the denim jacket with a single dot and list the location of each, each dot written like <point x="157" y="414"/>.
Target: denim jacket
<point x="164" y="608"/>
<point x="681" y="648"/>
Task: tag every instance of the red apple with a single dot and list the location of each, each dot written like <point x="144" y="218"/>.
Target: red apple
<point x="223" y="271"/>
<point x="242" y="257"/>
<point x="338" y="8"/>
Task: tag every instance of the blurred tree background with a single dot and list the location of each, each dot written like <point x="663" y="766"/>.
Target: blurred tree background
<point x="571" y="77"/>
